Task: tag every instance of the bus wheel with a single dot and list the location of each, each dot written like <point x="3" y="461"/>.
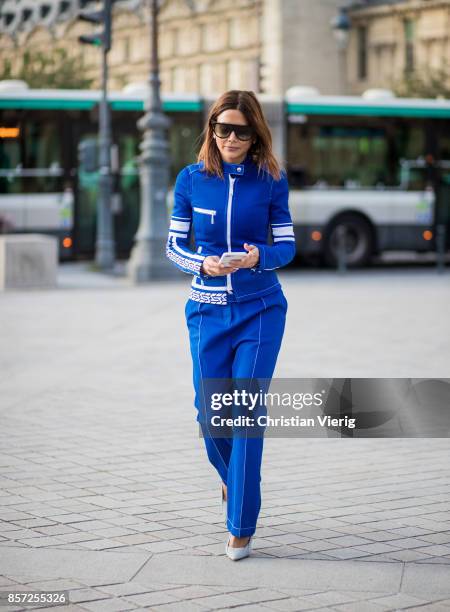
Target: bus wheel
<point x="358" y="241"/>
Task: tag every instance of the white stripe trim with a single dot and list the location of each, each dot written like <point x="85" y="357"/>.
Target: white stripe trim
<point x="194" y="284"/>
<point x="181" y="218"/>
<point x="209" y="211"/>
<point x="177" y="234"/>
<point x="231" y="180"/>
<point x="282" y="231"/>
<point x="279" y="224"/>
<point x="284" y="238"/>
<point x="180" y="225"/>
<point x="187" y="254"/>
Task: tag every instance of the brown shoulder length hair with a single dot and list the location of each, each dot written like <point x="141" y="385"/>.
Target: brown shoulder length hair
<point x="260" y="151"/>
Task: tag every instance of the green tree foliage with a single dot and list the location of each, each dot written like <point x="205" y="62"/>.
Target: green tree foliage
<point x="53" y="70"/>
<point x="424" y="84"/>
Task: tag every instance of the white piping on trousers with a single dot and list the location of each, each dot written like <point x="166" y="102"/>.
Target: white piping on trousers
<point x="245" y="453"/>
<point x="201" y="380"/>
<point x="236" y="527"/>
<point x="230" y="198"/>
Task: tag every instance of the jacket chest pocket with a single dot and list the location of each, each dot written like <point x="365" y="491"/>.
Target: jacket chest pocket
<point x="206" y="213"/>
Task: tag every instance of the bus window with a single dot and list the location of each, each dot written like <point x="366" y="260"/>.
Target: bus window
<point x="184" y="139"/>
<point x="417" y="179"/>
<point x="31" y="162"/>
<point x="42" y="149"/>
<point x="409" y="140"/>
<point x="444" y="140"/>
<point x="338" y="155"/>
<point x="9" y="156"/>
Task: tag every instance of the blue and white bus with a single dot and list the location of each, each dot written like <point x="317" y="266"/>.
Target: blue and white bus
<point x="369" y="164"/>
<point x="365" y="163"/>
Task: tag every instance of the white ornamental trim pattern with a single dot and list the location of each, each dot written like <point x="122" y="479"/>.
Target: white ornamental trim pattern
<point x="184" y="262"/>
<point x="210" y="297"/>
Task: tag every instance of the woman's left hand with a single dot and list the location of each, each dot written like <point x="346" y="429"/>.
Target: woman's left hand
<point x="251" y="259"/>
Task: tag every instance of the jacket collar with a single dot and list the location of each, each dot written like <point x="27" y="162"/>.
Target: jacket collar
<point x="238" y="169"/>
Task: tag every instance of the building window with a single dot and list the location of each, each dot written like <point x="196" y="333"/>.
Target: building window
<point x="206" y="78"/>
<point x="233" y="74"/>
<point x="26" y="14"/>
<point x="64" y="6"/>
<point x="362" y="52"/>
<point x="408" y="28"/>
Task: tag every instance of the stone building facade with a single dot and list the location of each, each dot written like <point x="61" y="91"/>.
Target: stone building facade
<point x="392" y="38"/>
<point x="208" y="46"/>
<point x="205" y="46"/>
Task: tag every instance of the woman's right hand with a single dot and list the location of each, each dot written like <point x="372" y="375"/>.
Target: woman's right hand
<point x="212" y="267"/>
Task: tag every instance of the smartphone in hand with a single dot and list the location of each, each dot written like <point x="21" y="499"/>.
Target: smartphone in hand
<point x="229" y="258"/>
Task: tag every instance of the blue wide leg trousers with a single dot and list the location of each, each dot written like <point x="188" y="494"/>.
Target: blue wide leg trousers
<point x="239" y="340"/>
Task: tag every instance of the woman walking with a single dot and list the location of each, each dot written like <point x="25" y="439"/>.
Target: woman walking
<point x="236" y="310"/>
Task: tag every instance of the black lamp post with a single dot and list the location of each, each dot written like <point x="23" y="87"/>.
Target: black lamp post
<point x="148" y="259"/>
<point x="341" y="29"/>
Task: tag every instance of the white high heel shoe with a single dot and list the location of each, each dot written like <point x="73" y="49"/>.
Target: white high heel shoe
<point x="238" y="553"/>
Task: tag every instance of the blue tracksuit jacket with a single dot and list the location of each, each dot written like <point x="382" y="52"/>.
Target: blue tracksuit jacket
<point x="225" y="213"/>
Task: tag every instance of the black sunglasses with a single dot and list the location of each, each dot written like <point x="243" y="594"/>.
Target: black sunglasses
<point x="223" y="130"/>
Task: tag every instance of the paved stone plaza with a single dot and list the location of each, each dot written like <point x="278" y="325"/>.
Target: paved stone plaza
<point x="106" y="490"/>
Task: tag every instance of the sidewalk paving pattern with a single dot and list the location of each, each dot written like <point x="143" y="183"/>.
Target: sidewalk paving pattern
<point x="106" y="490"/>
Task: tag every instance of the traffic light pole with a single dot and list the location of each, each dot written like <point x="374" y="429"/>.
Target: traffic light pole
<point x="104" y="246"/>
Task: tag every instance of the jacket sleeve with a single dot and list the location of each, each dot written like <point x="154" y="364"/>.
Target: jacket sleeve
<point x="178" y="240"/>
<point x="283" y="249"/>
